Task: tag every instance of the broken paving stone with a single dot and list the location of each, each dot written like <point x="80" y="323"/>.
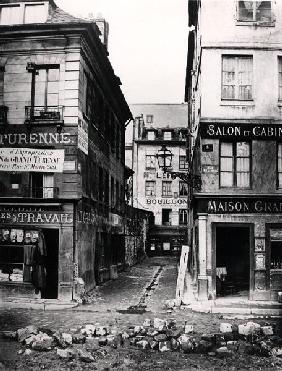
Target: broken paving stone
<point x="66" y="353"/>
<point x="102" y="340"/>
<point x="67" y="338"/>
<point x="42" y="342"/>
<point x="24" y="333"/>
<point x="152" y="332"/>
<point x="92" y="343"/>
<point x="101" y="331"/>
<point x="248" y="328"/>
<point x="267" y="330"/>
<point x="164" y="346"/>
<point x="159" y="324"/>
<point x="143" y="344"/>
<point x="160" y="337"/>
<point x="78" y="338"/>
<point x="137" y="329"/>
<point x="223" y="352"/>
<point x="147" y="322"/>
<point x="188" y="329"/>
<point x="28" y="342"/>
<point x="225" y="328"/>
<point x="88" y="330"/>
<point x="85" y="356"/>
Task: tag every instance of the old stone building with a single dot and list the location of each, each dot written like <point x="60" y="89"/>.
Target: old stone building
<point x="153" y="189"/>
<point x="233" y="89"/>
<point x="62" y="116"/>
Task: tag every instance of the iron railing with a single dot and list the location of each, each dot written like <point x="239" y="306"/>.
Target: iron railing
<point x="40" y="192"/>
<point x="40" y="114"/>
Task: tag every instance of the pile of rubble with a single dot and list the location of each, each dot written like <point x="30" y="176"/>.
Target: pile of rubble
<point x="157" y="334"/>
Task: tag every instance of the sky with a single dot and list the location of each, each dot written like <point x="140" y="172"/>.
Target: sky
<point x="147" y="45"/>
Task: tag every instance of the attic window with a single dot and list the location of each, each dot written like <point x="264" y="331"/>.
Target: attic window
<point x="149" y="119"/>
<point x="35" y="13"/>
<point x="254" y="11"/>
<point x="167" y="135"/>
<point x="10" y="14"/>
<point x="151" y="135"/>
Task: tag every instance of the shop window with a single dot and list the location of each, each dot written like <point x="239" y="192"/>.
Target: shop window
<point x="254" y="11"/>
<point x="237" y="77"/>
<point x="280" y="78"/>
<point x="149" y="119"/>
<point x="166" y="216"/>
<point x="150" y="161"/>
<point x="150" y="188"/>
<point x="235" y="164"/>
<point x="166" y="189"/>
<point x="151" y="135"/>
<point x="42" y="185"/>
<point x="183" y="214"/>
<point x="183" y="189"/>
<point x="183" y="164"/>
<point x="167" y="135"/>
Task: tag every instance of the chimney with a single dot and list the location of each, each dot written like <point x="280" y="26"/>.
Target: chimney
<point x="103" y="26"/>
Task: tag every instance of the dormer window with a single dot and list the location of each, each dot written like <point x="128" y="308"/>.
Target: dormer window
<point x="23" y="13"/>
<point x="254" y="11"/>
<point x="167" y="135"/>
<point x="151" y="135"/>
<point x="149" y="119"/>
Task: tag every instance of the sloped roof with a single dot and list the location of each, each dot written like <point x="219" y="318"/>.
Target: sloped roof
<point x="57" y="15"/>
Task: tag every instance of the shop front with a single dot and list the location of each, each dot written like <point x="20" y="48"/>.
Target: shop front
<point x="239" y="247"/>
<point x="36" y="251"/>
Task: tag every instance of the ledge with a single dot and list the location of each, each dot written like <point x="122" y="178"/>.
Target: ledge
<point x="249" y="103"/>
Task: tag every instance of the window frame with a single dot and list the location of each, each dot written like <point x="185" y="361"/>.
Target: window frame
<point x="149" y="164"/>
<point x="277" y="165"/>
<point x="169" y="133"/>
<point x="151" y="132"/>
<point x="236" y="84"/>
<point x="149" y="119"/>
<point x="183" y="219"/>
<point x="181" y="162"/>
<point x="166" y="188"/>
<point x="147" y="189"/>
<point x="234" y="164"/>
<point x="254" y="15"/>
<point x="182" y="183"/>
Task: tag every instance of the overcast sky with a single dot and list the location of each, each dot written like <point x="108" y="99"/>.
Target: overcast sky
<point x="147" y="45"/>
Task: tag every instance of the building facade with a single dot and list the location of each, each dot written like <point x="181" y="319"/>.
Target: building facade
<point x="153" y="189"/>
<point x="62" y="116"/>
<point x="234" y="94"/>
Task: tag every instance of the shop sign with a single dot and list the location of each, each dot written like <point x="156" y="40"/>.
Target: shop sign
<point x="82" y="139"/>
<point x="239" y="206"/>
<point x="34" y="217"/>
<point x="166" y="201"/>
<point x="32" y="159"/>
<point x="34" y="138"/>
<point x="115" y="220"/>
<point x="241" y="131"/>
<point x="91" y="218"/>
<point x="211" y="169"/>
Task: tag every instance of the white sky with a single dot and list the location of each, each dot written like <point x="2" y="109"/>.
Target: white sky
<point x="147" y="45"/>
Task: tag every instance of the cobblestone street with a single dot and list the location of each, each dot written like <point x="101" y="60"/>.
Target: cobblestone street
<point x="147" y="284"/>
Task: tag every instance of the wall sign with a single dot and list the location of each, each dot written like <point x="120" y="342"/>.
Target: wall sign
<point x="222" y="205"/>
<point x="34" y="217"/>
<point x="241" y="131"/>
<point x="31" y="159"/>
<point x="82" y="135"/>
<point x="35" y="138"/>
<point x="166" y="201"/>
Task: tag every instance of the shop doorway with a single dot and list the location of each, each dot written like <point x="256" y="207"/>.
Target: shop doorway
<point x="51" y="237"/>
<point x="232" y="261"/>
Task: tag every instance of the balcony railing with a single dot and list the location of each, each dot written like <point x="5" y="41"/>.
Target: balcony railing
<point x="3" y="115"/>
<point x="39" y="115"/>
<point x="40" y="192"/>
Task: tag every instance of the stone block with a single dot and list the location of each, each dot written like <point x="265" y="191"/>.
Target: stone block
<point x="164" y="346"/>
<point x="248" y="328"/>
<point x="66" y="353"/>
<point x="92" y="343"/>
<point x="174" y="344"/>
<point x="102" y="340"/>
<point x="159" y="324"/>
<point x="154" y="344"/>
<point x="277" y="352"/>
<point x="204" y="346"/>
<point x="101" y="331"/>
<point x="42" y="342"/>
<point x="223" y="352"/>
<point x="186" y="343"/>
<point x="147" y="322"/>
<point x="85" y="356"/>
<point x="188" y="329"/>
<point x="143" y="344"/>
<point x="88" y="330"/>
<point x="67" y="338"/>
<point x="160" y="337"/>
<point x="24" y="333"/>
<point x="78" y="338"/>
<point x="225" y="328"/>
<point x="267" y="330"/>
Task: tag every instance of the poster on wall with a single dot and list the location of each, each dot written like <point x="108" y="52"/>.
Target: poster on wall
<point x="32" y="159"/>
<point x="82" y="134"/>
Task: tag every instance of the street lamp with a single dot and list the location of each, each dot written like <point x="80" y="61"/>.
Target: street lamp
<point x="164" y="157"/>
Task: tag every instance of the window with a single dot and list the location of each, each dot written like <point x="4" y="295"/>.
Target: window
<point x="166" y="216"/>
<point x="183" y="164"/>
<point x="254" y="11"/>
<point x="279" y="165"/>
<point x="166" y="189"/>
<point x="167" y="135"/>
<point x="235" y="164"/>
<point x="151" y="135"/>
<point x="42" y="185"/>
<point x="150" y="188"/>
<point x="280" y="78"/>
<point x="150" y="161"/>
<point x="183" y="189"/>
<point x="47" y="86"/>
<point x="237" y="76"/>
<point x="35" y="13"/>
<point x="149" y="119"/>
<point x="183" y="216"/>
<point x="10" y="15"/>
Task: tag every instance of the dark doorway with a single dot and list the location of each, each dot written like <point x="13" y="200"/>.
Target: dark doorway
<point x="232" y="261"/>
<point x="51" y="263"/>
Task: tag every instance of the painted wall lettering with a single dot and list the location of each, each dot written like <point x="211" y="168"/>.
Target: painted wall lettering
<point x="35" y="217"/>
<point x="35" y="138"/>
<point x="241" y="131"/>
<point x="166" y="201"/>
